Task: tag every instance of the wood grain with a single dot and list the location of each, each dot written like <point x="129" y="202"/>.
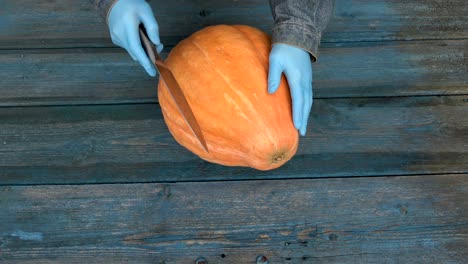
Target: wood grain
<point x="130" y="143"/>
<point x="420" y="219"/>
<point x="99" y="76"/>
<point x="70" y="23"/>
<point x="90" y="174"/>
<point x="367" y="20"/>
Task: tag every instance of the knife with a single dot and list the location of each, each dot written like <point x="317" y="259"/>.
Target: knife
<point x="173" y="87"/>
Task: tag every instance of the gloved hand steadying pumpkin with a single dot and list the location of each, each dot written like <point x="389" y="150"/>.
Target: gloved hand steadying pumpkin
<point x="124" y="19"/>
<point x="296" y="64"/>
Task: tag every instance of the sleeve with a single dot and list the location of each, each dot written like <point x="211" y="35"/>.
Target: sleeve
<point x="103" y="7"/>
<point x="300" y="22"/>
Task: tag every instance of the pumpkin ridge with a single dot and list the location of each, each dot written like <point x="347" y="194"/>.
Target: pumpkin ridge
<point x="176" y="126"/>
<point x="240" y="95"/>
<point x="265" y="63"/>
<point x="248" y="32"/>
<point x="244" y="30"/>
<point x="223" y="76"/>
<point x="247" y="36"/>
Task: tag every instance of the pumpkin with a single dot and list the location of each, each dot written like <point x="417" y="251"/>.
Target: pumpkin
<point x="223" y="72"/>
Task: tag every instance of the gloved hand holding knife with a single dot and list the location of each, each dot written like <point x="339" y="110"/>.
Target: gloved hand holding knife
<point x="124" y="18"/>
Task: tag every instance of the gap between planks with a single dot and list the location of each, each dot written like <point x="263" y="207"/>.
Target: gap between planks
<point x="239" y="180"/>
<point x="150" y="101"/>
<point x="60" y="46"/>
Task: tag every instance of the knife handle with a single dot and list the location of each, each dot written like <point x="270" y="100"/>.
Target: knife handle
<point x="148" y="46"/>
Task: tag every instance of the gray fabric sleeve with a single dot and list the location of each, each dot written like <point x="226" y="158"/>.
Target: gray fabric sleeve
<point x="300" y="23"/>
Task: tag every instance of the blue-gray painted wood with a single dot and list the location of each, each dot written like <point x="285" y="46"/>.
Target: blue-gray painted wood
<point x="419" y="219"/>
<point x="367" y="20"/>
<point x="99" y="76"/>
<point x="131" y="143"/>
<point x="70" y="23"/>
<point x="59" y="53"/>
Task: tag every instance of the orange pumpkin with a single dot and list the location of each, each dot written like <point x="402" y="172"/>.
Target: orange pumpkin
<point x="223" y="71"/>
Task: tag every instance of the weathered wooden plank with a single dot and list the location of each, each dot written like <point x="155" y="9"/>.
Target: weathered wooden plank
<point x="130" y="143"/>
<point x="96" y="76"/>
<point x="357" y="20"/>
<point x="420" y="219"/>
<point x="70" y="23"/>
<point x="71" y="76"/>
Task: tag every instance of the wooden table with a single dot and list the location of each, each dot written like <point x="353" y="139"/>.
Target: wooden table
<point x="90" y="174"/>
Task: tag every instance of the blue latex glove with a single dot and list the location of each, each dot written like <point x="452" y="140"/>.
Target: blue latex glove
<point x="124" y="19"/>
<point x="296" y="64"/>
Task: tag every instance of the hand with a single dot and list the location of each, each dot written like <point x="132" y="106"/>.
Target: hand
<point x="297" y="66"/>
<point x="124" y="19"/>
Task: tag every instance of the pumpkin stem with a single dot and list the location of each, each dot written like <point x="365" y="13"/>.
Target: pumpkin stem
<point x="278" y="157"/>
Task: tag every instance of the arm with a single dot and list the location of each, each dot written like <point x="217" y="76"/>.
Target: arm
<point x="300" y="23"/>
<point x="296" y="38"/>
